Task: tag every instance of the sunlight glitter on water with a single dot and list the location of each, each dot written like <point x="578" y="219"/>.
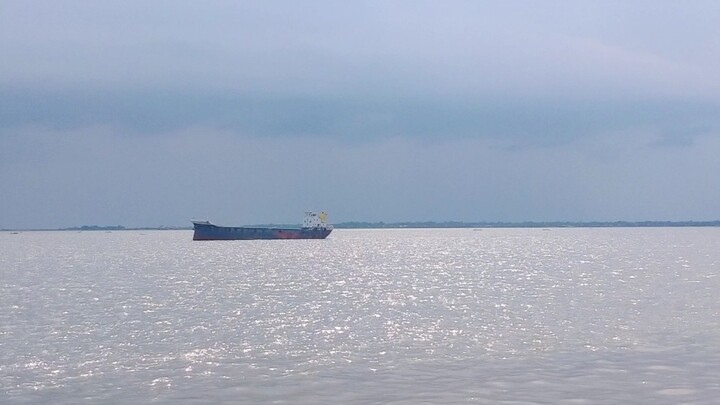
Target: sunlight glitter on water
<point x="391" y="316"/>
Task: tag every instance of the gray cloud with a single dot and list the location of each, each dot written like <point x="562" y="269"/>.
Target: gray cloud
<point x="529" y="122"/>
<point x="401" y="47"/>
<point x="95" y="175"/>
<point x="149" y="113"/>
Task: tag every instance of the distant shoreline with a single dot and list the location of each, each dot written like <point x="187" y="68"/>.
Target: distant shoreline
<point x="529" y="224"/>
<point x="421" y="225"/>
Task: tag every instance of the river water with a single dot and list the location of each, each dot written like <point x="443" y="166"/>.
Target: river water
<point x="509" y="316"/>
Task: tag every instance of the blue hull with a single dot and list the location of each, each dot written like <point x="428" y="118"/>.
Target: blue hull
<point x="208" y="231"/>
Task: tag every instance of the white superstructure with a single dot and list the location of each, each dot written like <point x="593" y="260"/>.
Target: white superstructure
<point x="315" y="220"/>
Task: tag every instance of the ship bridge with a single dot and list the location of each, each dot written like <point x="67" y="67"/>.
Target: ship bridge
<point x="315" y="220"/>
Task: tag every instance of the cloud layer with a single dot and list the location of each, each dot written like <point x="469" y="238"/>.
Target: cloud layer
<point x="151" y="113"/>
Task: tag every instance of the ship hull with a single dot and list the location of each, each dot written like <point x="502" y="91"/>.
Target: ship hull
<point x="208" y="231"/>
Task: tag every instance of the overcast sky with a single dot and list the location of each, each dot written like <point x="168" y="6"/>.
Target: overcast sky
<point x="152" y="113"/>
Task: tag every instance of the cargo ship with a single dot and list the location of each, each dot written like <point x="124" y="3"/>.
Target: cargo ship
<point x="314" y="226"/>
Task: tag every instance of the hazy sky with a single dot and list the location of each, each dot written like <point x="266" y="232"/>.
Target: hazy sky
<point x="149" y="113"/>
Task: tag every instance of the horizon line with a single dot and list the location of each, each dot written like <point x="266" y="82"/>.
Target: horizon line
<point x="417" y="224"/>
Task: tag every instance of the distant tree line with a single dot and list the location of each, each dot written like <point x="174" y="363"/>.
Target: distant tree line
<point x="96" y="228"/>
<point x="432" y="224"/>
<point x="552" y="224"/>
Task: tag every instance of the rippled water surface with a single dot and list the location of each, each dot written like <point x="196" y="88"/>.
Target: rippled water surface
<point x="560" y="316"/>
